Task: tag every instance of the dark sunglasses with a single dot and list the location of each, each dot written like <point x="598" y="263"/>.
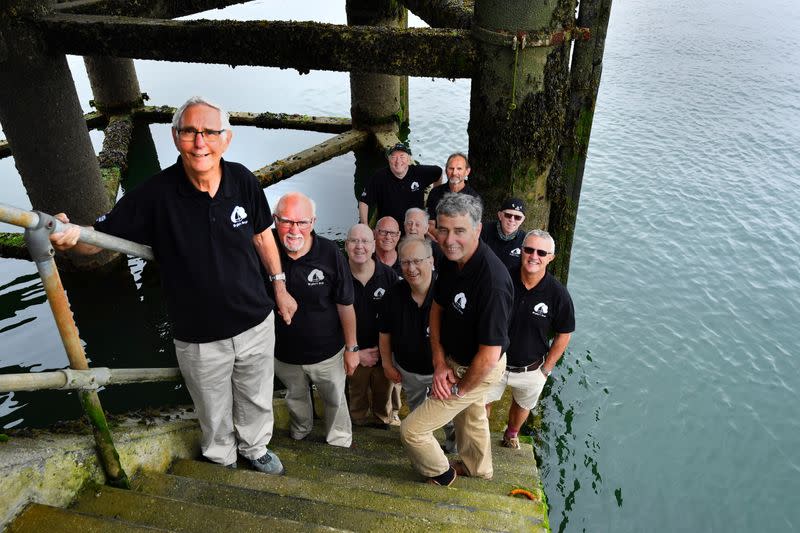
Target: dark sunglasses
<point x="530" y="251"/>
<point x="512" y="215"/>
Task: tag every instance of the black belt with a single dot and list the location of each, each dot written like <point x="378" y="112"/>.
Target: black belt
<point x="529" y="368"/>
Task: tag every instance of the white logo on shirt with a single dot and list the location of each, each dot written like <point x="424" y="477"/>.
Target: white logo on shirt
<point x="363" y="193"/>
<point x="238" y="216"/>
<point x="414" y="186"/>
<point x="540" y="309"/>
<point x="428" y="331"/>
<point x="515" y="252"/>
<point x="316" y="277"/>
<point x="460" y="302"/>
<point x="101" y="218"/>
<point x="379" y="292"/>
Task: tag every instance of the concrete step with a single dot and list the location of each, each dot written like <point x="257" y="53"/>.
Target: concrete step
<point x="382" y="456"/>
<point x="413" y="503"/>
<point x="175" y="515"/>
<point x="296" y="506"/>
<point x="396" y="487"/>
<point x="36" y="518"/>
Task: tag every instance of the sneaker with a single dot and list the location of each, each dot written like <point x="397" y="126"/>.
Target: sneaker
<point x="510" y="442"/>
<point x="444" y="480"/>
<point x="395" y="420"/>
<point x="449" y="447"/>
<point x="268" y="464"/>
<point x="232" y="466"/>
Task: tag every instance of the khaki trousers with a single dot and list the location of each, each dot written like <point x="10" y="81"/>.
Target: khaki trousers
<point x="329" y="378"/>
<point x="370" y="390"/>
<point x="230" y="382"/>
<point x="472" y="430"/>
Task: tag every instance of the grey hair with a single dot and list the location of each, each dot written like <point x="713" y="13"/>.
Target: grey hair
<point x="409" y="239"/>
<point x="295" y="194"/>
<point x="412" y="210"/>
<point x="224" y="118"/>
<point x="458" y="154"/>
<point x="542" y="234"/>
<point x="354" y="226"/>
<point x="454" y="204"/>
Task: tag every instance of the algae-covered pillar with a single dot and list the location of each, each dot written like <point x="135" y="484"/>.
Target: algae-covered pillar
<point x="379" y="102"/>
<point x="585" y="71"/>
<point x="115" y="85"/>
<point x="43" y="122"/>
<point x="517" y="101"/>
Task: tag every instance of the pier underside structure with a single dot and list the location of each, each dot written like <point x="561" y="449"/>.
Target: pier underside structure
<point x="530" y="110"/>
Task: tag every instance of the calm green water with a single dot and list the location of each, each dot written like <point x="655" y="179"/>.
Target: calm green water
<point x="675" y="408"/>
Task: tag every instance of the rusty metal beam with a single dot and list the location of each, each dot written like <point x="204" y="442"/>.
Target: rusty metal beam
<point x="304" y="46"/>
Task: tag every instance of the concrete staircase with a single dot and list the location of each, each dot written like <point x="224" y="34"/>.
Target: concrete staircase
<point x="369" y="487"/>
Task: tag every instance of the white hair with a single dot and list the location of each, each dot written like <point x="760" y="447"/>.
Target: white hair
<point x="224" y="118"/>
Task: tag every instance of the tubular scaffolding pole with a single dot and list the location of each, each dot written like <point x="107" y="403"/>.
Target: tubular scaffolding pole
<point x="93" y="378"/>
<point x="38" y="227"/>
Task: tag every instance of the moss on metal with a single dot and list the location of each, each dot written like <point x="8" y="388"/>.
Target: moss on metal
<point x="109" y="458"/>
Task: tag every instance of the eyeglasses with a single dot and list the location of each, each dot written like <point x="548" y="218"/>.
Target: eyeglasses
<point x="530" y="251"/>
<point x="416" y="262"/>
<point x="189" y="134"/>
<point x="286" y="223"/>
<point x="509" y="216"/>
<point x="359" y="241"/>
<point x="386" y="232"/>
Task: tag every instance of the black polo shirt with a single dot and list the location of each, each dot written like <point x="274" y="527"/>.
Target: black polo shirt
<point x="367" y="302"/>
<point x="318" y="281"/>
<point x="509" y="251"/>
<point x="436" y="194"/>
<point x="476" y="303"/>
<point x="210" y="271"/>
<point x="393" y="197"/>
<point x="407" y="323"/>
<point x="539" y="312"/>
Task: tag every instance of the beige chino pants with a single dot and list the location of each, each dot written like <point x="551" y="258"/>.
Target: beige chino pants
<point x="370" y="394"/>
<point x="472" y="430"/>
<point x="230" y="382"/>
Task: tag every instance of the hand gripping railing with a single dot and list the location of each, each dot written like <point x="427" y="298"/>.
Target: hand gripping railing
<point x="38" y="227"/>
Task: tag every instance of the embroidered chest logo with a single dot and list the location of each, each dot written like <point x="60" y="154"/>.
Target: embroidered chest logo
<point x="414" y="186"/>
<point x="379" y="292"/>
<point x="316" y="277"/>
<point x="238" y="216"/>
<point x="364" y="193"/>
<point x="460" y="302"/>
<point x="540" y="309"/>
<point x="428" y="331"/>
<point x="515" y="252"/>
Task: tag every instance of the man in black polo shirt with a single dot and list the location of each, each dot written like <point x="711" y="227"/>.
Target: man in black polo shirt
<point x="405" y="336"/>
<point x="469" y="333"/>
<point x="396" y="188"/>
<point x="208" y="221"/>
<point x="504" y="236"/>
<point x="387" y="233"/>
<point x="416" y="225"/>
<point x="320" y="343"/>
<point x="457" y="169"/>
<point x="542" y="306"/>
<point x="370" y="391"/>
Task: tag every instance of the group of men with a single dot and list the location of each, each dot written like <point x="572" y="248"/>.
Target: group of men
<point x="452" y="312"/>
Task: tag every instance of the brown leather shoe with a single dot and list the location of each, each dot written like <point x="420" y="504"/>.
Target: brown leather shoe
<point x="460" y="468"/>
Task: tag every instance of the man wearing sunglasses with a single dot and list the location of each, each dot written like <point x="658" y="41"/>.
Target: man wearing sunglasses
<point x="208" y="222"/>
<point x="504" y="236"/>
<point x="542" y="308"/>
<point x="320" y="344"/>
<point x="397" y="187"/>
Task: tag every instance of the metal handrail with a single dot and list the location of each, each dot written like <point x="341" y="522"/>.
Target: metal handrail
<point x="38" y="228"/>
<point x="91" y="379"/>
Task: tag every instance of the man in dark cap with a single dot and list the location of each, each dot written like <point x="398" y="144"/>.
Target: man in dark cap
<point x="392" y="190"/>
<point x="505" y="237"/>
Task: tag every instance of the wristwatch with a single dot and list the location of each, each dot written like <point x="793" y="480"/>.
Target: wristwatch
<point x="280" y="276"/>
<point x="545" y="372"/>
<point x="353" y="348"/>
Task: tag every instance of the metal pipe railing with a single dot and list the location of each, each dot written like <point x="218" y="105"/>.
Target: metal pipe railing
<point x="38" y="228"/>
<point x="93" y="378"/>
<point x="33" y="219"/>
